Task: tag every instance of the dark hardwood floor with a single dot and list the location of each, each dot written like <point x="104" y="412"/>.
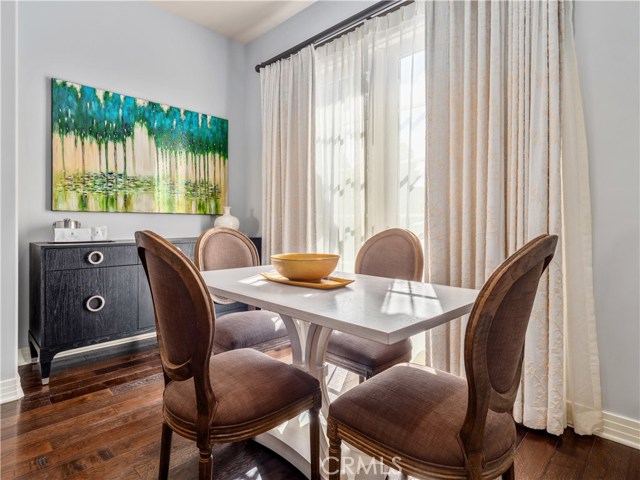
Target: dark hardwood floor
<point x="100" y="417"/>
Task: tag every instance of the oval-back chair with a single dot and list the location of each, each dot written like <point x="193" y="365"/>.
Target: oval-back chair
<point x="208" y="398"/>
<point x="222" y="248"/>
<point x="392" y="253"/>
<point x="430" y="423"/>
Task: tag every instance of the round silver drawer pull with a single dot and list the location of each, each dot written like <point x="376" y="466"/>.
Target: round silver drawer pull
<point x="95" y="257"/>
<point x="99" y="307"/>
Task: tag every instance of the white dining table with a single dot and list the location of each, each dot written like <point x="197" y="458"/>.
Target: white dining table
<point x="376" y="308"/>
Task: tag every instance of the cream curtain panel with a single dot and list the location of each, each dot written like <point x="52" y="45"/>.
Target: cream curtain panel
<point x="340" y="147"/>
<point x="288" y="155"/>
<point x="370" y="132"/>
<point x="506" y="161"/>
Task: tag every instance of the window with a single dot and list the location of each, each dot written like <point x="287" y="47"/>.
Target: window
<point x="411" y="144"/>
<point x="370" y="132"/>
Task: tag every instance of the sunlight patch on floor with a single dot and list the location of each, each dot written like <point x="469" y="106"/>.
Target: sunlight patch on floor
<point x="339" y="381"/>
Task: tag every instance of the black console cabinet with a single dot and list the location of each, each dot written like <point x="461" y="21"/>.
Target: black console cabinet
<point x="84" y="294"/>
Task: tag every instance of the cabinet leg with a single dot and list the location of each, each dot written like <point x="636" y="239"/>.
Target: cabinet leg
<point x="45" y="370"/>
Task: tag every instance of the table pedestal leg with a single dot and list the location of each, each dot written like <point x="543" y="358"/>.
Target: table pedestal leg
<point x="297" y="334"/>
<point x="317" y="341"/>
<point x="308" y="346"/>
<point x="291" y="440"/>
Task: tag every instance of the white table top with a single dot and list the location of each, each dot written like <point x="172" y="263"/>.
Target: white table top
<point x="376" y="308"/>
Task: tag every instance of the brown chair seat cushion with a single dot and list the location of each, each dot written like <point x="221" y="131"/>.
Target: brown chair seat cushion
<point x="419" y="412"/>
<point x="248" y="385"/>
<point x="247" y="329"/>
<point x="367" y="352"/>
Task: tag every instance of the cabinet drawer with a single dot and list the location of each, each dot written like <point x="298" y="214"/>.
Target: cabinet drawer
<point x="90" y="257"/>
<point x="69" y="313"/>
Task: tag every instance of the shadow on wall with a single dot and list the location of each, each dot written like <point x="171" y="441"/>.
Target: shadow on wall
<point x="251" y="225"/>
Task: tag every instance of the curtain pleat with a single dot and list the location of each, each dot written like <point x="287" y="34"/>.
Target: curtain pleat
<point x="582" y="362"/>
<point x="498" y="144"/>
<point x="288" y="155"/>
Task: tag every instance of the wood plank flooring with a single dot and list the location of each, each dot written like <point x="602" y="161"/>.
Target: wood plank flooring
<point x="100" y="418"/>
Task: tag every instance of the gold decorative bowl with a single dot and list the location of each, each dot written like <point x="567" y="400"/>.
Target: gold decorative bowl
<point x="306" y="267"/>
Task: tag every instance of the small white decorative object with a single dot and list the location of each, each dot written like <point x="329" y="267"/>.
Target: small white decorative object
<point x="72" y="234"/>
<point x="227" y="220"/>
<point x="99" y="233"/>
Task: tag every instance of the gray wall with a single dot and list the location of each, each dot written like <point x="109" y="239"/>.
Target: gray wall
<point x="127" y="47"/>
<point x="8" y="206"/>
<point x="607" y="44"/>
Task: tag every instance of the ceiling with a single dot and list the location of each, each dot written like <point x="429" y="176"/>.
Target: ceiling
<point x="240" y="20"/>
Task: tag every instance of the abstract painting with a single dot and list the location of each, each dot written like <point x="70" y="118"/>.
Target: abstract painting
<point x="115" y="153"/>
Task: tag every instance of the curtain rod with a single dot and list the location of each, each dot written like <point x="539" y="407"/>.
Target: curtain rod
<point x="345" y="26"/>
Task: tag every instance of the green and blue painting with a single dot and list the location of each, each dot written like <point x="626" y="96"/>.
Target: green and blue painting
<point x="115" y="153"/>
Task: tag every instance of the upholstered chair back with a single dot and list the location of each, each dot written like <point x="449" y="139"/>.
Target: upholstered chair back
<point x="392" y="253"/>
<point x="184" y="315"/>
<point x="495" y="335"/>
<point x="221" y="248"/>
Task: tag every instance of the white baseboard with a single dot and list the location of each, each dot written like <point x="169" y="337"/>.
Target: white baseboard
<point x="621" y="430"/>
<point x="24" y="355"/>
<point x="10" y="390"/>
<point x="616" y="428"/>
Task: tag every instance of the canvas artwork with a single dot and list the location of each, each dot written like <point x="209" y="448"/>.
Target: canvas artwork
<point x="115" y="153"/>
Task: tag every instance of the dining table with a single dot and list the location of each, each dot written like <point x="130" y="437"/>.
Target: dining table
<point x="382" y="309"/>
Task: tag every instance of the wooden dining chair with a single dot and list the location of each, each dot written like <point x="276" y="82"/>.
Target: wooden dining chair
<point x="393" y="253"/>
<point x="430" y="423"/>
<point x="222" y="398"/>
<point x="222" y="248"/>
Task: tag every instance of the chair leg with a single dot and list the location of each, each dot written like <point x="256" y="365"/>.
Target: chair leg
<point x="165" y="451"/>
<point x="204" y="464"/>
<point x="335" y="452"/>
<point x="314" y="432"/>
<point x="510" y="474"/>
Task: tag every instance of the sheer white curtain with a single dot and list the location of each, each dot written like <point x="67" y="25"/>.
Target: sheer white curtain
<point x="505" y="140"/>
<point x="288" y="155"/>
<point x="340" y="147"/>
<point x="370" y="124"/>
